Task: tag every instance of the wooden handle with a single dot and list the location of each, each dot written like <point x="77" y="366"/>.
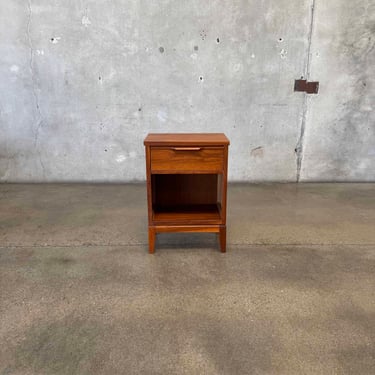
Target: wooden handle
<point x="187" y="148"/>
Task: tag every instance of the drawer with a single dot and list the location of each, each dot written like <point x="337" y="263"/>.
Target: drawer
<point x="187" y="159"/>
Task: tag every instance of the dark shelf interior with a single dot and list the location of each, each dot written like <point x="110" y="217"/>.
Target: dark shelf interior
<point x="186" y="197"/>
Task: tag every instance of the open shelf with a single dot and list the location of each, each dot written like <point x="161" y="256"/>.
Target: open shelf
<point x="187" y="213"/>
<point x="188" y="198"/>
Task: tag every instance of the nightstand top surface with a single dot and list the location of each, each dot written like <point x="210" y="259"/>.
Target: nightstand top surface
<point x="188" y="139"/>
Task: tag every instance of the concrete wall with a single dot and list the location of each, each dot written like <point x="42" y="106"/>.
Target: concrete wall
<point x="340" y="128"/>
<point x="83" y="82"/>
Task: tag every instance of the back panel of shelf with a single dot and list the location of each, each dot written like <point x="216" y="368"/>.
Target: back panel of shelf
<point x="185" y="189"/>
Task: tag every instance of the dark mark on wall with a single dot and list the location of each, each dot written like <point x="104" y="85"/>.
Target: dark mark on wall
<point x="257" y="152"/>
<point x="305" y="86"/>
<point x="139" y="109"/>
<point x="105" y="150"/>
<point x="201" y="78"/>
<point x="196" y="48"/>
<point x="161" y="49"/>
<point x="280" y="40"/>
<point x="217" y="40"/>
<point x="100" y="78"/>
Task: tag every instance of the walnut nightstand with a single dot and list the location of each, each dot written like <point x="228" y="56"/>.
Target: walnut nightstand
<point x="186" y="184"/>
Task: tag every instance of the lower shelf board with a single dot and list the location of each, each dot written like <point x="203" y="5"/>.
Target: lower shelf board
<point x="187" y="213"/>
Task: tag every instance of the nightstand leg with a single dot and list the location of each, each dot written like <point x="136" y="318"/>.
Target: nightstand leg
<point x="151" y="240"/>
<point x="223" y="239"/>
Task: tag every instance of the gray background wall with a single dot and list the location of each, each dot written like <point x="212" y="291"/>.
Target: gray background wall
<point x="83" y="82"/>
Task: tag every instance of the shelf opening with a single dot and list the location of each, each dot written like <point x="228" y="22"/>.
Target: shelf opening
<point x="186" y="197"/>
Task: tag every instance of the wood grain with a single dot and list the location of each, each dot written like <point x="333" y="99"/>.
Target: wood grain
<point x="186" y="139"/>
<point x="201" y="160"/>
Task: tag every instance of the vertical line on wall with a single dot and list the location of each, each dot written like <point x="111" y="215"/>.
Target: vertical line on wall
<point x="31" y="63"/>
<point x="300" y="142"/>
<point x="33" y="83"/>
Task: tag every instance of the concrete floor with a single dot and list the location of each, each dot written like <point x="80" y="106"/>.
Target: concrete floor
<point x="294" y="294"/>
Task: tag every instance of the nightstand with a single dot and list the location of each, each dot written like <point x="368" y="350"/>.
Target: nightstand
<point x="186" y="184"/>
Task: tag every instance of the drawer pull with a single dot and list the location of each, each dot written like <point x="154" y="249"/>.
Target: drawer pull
<point x="187" y="148"/>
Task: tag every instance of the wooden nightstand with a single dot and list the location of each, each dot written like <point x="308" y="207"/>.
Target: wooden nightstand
<point x="186" y="184"/>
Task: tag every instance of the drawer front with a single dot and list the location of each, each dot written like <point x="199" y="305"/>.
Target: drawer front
<point x="187" y="159"/>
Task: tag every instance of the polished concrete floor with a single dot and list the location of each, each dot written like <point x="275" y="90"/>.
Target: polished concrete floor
<point x="294" y="294"/>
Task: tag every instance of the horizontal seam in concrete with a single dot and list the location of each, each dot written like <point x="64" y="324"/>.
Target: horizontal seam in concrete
<point x="185" y="247"/>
